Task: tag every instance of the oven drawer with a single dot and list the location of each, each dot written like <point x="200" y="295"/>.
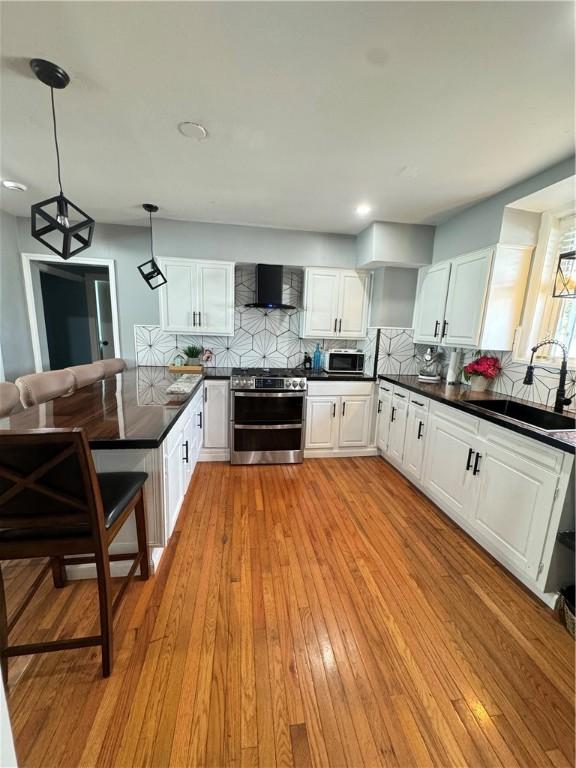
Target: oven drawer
<point x="266" y="437"/>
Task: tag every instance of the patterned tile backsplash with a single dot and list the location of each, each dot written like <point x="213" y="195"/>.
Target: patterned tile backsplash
<point x="262" y="338"/>
<point x="270" y="339"/>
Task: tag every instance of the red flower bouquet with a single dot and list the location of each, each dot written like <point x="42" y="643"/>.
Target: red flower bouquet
<point x="485" y="366"/>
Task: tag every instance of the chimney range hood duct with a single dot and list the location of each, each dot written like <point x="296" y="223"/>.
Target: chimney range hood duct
<point x="269" y="287"/>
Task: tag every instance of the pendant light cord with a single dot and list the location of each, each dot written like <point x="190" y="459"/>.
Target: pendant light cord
<point x="56" y="140"/>
<point x="151" y="239"/>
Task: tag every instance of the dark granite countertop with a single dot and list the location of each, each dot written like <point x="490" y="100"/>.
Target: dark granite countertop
<point x="461" y="397"/>
<point x="129" y="410"/>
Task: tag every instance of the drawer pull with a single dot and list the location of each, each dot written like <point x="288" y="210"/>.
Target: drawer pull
<point x="417" y="402"/>
<point x="397" y="394"/>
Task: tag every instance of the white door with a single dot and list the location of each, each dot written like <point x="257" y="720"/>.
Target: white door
<point x="215" y="308"/>
<point x="466" y="299"/>
<point x="383" y="415"/>
<point x="322" y="303"/>
<point x="397" y="432"/>
<point x="415" y="441"/>
<point x="515" y="502"/>
<point x="178" y="296"/>
<point x="322" y="416"/>
<point x="216" y="415"/>
<point x="448" y="467"/>
<point x="353" y="305"/>
<point x="431" y="303"/>
<point x="354" y="421"/>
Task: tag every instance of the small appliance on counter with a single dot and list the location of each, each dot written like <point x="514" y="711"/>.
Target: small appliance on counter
<point x="431" y="366"/>
<point x="344" y="361"/>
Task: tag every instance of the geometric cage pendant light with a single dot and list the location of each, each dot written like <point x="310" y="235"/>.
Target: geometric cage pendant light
<point x="57" y="222"/>
<point x="565" y="282"/>
<point x="150" y="270"/>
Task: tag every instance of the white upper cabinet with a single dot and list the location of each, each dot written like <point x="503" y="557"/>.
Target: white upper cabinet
<point x="336" y="303"/>
<point x="466" y="299"/>
<point x="198" y="297"/>
<point x="431" y="303"/>
<point x="474" y="300"/>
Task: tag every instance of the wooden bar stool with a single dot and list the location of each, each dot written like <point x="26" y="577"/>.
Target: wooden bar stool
<point x="53" y="504"/>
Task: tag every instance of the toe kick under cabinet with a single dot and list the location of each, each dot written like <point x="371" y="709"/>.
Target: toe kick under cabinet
<point x="509" y="492"/>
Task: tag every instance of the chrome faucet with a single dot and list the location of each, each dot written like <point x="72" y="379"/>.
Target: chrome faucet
<point x="561" y="399"/>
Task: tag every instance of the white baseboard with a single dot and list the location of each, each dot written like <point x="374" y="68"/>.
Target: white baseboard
<point x="214" y="454"/>
<point x="338" y="453"/>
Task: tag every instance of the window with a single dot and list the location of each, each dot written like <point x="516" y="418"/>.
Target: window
<point x="547" y="317"/>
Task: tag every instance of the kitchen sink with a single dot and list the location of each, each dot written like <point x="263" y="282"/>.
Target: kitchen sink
<point x="536" y="417"/>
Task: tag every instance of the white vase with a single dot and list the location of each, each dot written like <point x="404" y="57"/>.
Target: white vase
<point x="479" y="384"/>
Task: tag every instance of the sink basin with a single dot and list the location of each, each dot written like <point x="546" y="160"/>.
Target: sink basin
<point x="536" y="417"/>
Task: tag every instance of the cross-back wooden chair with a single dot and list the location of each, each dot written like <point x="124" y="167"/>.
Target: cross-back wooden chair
<point x="53" y="504"/>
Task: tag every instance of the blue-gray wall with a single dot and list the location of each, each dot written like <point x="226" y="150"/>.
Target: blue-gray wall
<point x="480" y="225"/>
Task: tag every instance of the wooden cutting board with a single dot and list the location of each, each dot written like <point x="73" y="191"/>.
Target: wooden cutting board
<point x="185" y="368"/>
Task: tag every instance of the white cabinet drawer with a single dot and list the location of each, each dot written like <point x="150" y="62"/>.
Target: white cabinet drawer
<point x="417" y="401"/>
<point x="335" y="388"/>
<point x="538" y="453"/>
<point x="462" y="420"/>
<point x="401" y="394"/>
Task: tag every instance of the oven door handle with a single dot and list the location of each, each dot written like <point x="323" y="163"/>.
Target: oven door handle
<point x="269" y="426"/>
<point x="268" y="394"/>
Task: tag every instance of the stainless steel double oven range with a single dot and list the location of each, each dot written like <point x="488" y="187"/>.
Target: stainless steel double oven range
<point x="267" y="416"/>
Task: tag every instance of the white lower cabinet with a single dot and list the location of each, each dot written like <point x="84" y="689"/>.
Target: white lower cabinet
<point x="501" y="487"/>
<point x="338" y="417"/>
<point x="383" y="415"/>
<point x="216" y="413"/>
<point x="354" y="421"/>
<point x="322" y="422"/>
<point x="450" y="456"/>
<point x="416" y="431"/>
<point x="515" y="500"/>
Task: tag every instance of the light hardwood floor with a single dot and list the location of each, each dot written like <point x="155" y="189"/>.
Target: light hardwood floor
<point x="325" y="614"/>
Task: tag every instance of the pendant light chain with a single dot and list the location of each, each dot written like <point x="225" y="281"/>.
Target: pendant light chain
<point x="56" y="140"/>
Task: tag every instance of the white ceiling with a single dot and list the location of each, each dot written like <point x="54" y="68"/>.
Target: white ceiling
<point x="312" y="108"/>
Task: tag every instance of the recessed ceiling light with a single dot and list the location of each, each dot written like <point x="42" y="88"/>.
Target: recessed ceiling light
<point x="363" y="209"/>
<point x="15" y="186"/>
<point x="193" y="131"/>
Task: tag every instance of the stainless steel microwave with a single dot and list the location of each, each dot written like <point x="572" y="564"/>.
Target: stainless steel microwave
<point x="344" y="361"/>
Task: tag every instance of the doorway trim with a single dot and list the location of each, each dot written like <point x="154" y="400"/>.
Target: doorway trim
<point x="28" y="258"/>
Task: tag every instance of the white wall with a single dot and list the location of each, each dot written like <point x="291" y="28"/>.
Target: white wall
<point x="386" y="243"/>
<point x="393" y="296"/>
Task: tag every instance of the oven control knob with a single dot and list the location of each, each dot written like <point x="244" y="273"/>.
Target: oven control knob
<point x="302" y="383"/>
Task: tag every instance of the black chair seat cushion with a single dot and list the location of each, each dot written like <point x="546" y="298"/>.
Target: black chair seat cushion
<point x="116" y="489"/>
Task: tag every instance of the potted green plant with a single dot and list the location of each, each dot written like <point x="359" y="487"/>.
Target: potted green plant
<point x="193" y="354"/>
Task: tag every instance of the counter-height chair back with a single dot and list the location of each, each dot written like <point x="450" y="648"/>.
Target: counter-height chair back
<point x="36" y="388"/>
<point x="84" y="375"/>
<point x="53" y="504"/>
<point x="113" y="365"/>
<point x="9" y="397"/>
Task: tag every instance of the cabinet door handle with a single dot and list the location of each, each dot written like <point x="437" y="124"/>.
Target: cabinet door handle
<point x="200" y="419"/>
<point x="186" y="454"/>
<point x="333" y="410"/>
<point x="476" y="470"/>
<point x="420" y="427"/>
<point x="340" y="326"/>
<point x="469" y="459"/>
<point x="436" y="327"/>
<point x="379" y="406"/>
<point x="392" y="414"/>
<point x="335" y="324"/>
<point x="199" y="318"/>
<point x="194" y="319"/>
<point x="444" y="329"/>
<point x="205" y="394"/>
<point x="343" y="407"/>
